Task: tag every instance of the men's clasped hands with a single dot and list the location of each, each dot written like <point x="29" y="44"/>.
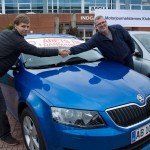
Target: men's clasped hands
<point x="64" y="52"/>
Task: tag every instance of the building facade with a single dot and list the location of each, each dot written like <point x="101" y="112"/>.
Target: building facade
<point x="50" y="15"/>
<point x="68" y="6"/>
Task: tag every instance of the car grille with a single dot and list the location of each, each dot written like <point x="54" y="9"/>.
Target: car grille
<point x="129" y="115"/>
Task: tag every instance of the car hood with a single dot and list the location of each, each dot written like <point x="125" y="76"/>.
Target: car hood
<point x="92" y="85"/>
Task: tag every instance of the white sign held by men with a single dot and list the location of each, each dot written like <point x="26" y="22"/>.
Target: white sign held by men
<point x="126" y="18"/>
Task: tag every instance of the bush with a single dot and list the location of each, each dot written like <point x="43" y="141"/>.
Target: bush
<point x="73" y="31"/>
<point x="10" y="27"/>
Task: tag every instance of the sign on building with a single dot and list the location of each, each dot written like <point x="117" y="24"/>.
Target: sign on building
<point x="126" y="18"/>
<point x="93" y="8"/>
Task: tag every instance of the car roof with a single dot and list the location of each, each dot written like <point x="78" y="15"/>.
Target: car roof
<point x="49" y="35"/>
<point x="139" y="32"/>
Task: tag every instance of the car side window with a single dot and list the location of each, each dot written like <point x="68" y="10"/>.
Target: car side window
<point x="136" y="47"/>
<point x="138" y="50"/>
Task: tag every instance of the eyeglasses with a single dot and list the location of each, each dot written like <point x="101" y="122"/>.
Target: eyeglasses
<point x="101" y="23"/>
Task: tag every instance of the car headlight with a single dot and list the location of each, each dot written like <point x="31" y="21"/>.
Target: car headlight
<point x="78" y="118"/>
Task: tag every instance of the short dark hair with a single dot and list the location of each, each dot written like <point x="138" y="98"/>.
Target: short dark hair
<point x="21" y="18"/>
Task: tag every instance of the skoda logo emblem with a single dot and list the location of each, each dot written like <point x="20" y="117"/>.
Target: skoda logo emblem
<point x="140" y="98"/>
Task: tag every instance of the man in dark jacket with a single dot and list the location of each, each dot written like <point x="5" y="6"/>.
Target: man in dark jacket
<point x="114" y="42"/>
<point x="12" y="44"/>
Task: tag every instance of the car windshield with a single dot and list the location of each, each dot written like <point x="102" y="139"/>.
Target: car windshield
<point x="145" y="40"/>
<point x="34" y="62"/>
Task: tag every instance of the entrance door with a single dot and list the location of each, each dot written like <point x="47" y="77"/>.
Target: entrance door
<point x="86" y="31"/>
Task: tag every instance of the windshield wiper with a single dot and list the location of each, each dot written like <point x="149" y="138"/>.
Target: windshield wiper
<point x="41" y="67"/>
<point x="100" y="59"/>
<point x="71" y="61"/>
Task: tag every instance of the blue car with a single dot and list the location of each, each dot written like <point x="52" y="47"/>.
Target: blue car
<point x="79" y="102"/>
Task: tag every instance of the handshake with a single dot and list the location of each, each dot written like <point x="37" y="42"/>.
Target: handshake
<point x="64" y="52"/>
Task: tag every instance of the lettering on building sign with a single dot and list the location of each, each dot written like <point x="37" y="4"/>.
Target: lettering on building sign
<point x="92" y="9"/>
<point x="87" y="18"/>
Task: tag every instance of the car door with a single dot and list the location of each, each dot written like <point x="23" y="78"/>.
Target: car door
<point x="137" y="58"/>
<point x="10" y="94"/>
<point x="141" y="59"/>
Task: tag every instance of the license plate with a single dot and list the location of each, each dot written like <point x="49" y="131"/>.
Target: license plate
<point x="140" y="133"/>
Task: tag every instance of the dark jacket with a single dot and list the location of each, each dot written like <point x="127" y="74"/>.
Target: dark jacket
<point x="12" y="44"/>
<point x="119" y="49"/>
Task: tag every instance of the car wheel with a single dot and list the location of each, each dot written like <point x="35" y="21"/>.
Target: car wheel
<point x="31" y="132"/>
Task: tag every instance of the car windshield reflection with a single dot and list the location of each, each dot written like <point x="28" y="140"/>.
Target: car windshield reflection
<point x="34" y="62"/>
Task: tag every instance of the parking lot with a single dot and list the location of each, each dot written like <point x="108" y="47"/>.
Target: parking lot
<point x="16" y="132"/>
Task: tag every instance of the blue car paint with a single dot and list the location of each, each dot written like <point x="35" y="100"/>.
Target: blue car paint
<point x="97" y="95"/>
<point x="90" y="86"/>
<point x="60" y="87"/>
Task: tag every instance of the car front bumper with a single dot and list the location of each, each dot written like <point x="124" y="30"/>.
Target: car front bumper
<point x="102" y="138"/>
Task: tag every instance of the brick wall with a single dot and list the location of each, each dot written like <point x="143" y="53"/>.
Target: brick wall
<point x="46" y="22"/>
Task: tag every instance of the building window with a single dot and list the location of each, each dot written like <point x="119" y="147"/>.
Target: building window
<point x="23" y="1"/>
<point x="146" y="7"/>
<point x="70" y="6"/>
<point x="11" y="1"/>
<point x="136" y="2"/>
<point x="24" y="6"/>
<point x="146" y="4"/>
<point x="65" y="6"/>
<point x="135" y="7"/>
<point x="11" y="8"/>
<point x="0" y="6"/>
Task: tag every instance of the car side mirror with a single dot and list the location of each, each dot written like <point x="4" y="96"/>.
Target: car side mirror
<point x="137" y="54"/>
<point x="15" y="68"/>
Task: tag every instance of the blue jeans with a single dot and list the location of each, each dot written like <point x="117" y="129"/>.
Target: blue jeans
<point x="4" y="123"/>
